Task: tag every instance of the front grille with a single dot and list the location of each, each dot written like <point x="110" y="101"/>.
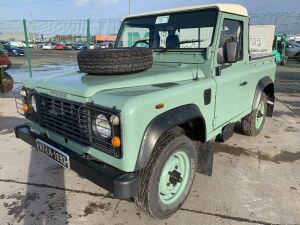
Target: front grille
<point x="63" y="117"/>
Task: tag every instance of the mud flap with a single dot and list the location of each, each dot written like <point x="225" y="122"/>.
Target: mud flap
<point x="205" y="158"/>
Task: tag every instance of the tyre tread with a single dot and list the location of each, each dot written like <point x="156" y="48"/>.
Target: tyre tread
<point x="115" y="61"/>
<point x="141" y="199"/>
<point x="248" y="122"/>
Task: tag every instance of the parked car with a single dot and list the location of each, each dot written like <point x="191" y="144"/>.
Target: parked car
<point x="38" y="45"/>
<point x="144" y="136"/>
<point x="104" y="45"/>
<point x="13" y="51"/>
<point x="293" y="51"/>
<point x="68" y="47"/>
<point x="17" y="44"/>
<point x="30" y="45"/>
<point x="4" y="43"/>
<point x="5" y="62"/>
<point x="48" y="46"/>
<point x="92" y="46"/>
<point x="4" y="51"/>
<point x="79" y="46"/>
<point x="59" y="47"/>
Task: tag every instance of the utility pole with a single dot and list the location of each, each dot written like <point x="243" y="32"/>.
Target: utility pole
<point x="129" y="7"/>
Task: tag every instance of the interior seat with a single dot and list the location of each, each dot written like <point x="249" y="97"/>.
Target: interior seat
<point x="172" y="41"/>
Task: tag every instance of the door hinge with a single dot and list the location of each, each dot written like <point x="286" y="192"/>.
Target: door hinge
<point x="215" y="122"/>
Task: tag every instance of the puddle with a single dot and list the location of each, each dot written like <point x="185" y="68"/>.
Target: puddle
<point x="286" y="156"/>
<point x="93" y="207"/>
<point x="20" y="203"/>
<point x="282" y="156"/>
<point x="291" y="129"/>
<point x="232" y="150"/>
<point x="8" y="123"/>
<point x="21" y="74"/>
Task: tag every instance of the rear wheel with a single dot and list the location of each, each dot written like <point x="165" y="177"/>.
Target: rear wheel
<point x="253" y="123"/>
<point x="168" y="178"/>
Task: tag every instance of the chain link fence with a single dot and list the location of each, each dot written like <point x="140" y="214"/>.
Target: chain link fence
<point x="54" y="44"/>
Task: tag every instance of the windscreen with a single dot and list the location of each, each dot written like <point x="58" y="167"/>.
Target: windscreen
<point x="184" y="30"/>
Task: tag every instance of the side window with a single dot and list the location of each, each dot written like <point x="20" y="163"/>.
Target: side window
<point x="232" y="31"/>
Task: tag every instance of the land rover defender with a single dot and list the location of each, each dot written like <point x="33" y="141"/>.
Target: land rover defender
<point x="136" y="119"/>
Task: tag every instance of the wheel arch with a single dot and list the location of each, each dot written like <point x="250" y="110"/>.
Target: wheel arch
<point x="188" y="117"/>
<point x="265" y="85"/>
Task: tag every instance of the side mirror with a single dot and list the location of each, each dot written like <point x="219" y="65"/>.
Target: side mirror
<point x="231" y="52"/>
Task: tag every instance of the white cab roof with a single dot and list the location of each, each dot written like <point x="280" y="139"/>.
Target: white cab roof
<point x="229" y="8"/>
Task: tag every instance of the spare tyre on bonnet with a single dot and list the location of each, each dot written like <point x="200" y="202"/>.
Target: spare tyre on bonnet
<point x="116" y="61"/>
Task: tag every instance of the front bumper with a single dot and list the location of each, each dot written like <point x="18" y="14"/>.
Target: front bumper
<point x="121" y="184"/>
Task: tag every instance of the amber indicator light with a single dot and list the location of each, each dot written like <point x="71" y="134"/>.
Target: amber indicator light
<point x="116" y="142"/>
<point x="160" y="106"/>
<point x="25" y="108"/>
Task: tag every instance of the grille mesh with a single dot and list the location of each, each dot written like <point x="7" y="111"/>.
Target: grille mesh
<point x="63" y="117"/>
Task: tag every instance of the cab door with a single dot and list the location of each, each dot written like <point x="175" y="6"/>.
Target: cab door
<point x="231" y="78"/>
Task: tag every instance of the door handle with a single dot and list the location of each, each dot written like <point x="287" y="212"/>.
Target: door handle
<point x="243" y="83"/>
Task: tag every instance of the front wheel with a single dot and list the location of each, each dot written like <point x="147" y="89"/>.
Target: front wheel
<point x="253" y="123"/>
<point x="168" y="178"/>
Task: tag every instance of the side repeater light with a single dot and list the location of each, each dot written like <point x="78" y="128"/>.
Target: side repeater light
<point x="160" y="106"/>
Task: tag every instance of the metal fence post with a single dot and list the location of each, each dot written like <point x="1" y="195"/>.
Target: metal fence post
<point x="1" y="77"/>
<point x="88" y="36"/>
<point x="27" y="49"/>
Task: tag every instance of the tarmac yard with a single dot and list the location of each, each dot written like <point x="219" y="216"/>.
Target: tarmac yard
<point x="45" y="57"/>
<point x="256" y="180"/>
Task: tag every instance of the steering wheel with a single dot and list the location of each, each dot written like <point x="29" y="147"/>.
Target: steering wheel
<point x="141" y="41"/>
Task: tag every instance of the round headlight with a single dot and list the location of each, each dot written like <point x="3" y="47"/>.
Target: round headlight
<point x="33" y="103"/>
<point x="102" y="126"/>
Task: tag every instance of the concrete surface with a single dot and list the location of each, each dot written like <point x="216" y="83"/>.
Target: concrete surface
<point x="256" y="180"/>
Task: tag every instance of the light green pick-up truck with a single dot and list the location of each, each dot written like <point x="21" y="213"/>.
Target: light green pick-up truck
<point x="135" y="120"/>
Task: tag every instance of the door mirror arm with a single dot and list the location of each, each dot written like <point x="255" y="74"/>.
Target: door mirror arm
<point x="221" y="67"/>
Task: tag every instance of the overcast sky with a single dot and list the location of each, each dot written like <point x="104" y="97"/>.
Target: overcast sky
<point x="100" y="9"/>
